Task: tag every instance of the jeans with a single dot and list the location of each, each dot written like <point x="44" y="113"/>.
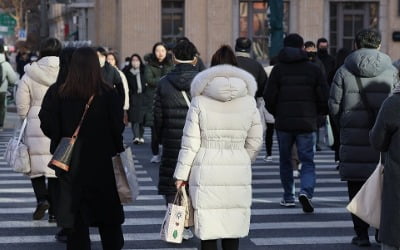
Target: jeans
<point x="305" y="143"/>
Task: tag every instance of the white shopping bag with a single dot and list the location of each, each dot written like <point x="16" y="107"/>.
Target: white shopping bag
<point x="16" y="154"/>
<point x="174" y="221"/>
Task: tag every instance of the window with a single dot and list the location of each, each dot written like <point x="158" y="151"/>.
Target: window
<point x="347" y="18"/>
<point x="253" y="23"/>
<point x="172" y="20"/>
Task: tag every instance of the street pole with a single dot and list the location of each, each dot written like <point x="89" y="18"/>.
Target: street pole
<point x="276" y="27"/>
<point x="44" y="29"/>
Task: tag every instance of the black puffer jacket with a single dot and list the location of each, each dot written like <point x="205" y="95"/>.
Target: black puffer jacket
<point x="170" y="110"/>
<point x="378" y="77"/>
<point x="296" y="92"/>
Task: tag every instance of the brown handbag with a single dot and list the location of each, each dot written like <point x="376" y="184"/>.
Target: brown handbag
<point x="62" y="156"/>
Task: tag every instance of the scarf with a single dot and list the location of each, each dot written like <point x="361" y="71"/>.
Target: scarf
<point x="136" y="72"/>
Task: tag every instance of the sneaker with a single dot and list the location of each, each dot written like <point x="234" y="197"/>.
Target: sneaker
<point x="187" y="234"/>
<point x="40" y="210"/>
<point x="284" y="203"/>
<point x="61" y="236"/>
<point x="296" y="173"/>
<point x="268" y="159"/>
<point x="155" y="159"/>
<point x="136" y="140"/>
<point x="306" y="203"/>
<point x="141" y="140"/>
<point x="360" y="241"/>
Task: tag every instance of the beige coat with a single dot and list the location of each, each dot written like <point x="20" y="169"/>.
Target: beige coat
<point x="222" y="136"/>
<point x="31" y="90"/>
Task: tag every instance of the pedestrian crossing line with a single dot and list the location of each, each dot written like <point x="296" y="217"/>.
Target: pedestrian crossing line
<point x="315" y="240"/>
<point x="317" y="190"/>
<point x="258" y="166"/>
<point x="287" y="211"/>
<point x="319" y="199"/>
<point x="30" y="190"/>
<point x="7" y="168"/>
<point x="302" y="224"/>
<point x="141" y="179"/>
<point x="278" y="181"/>
<point x="276" y="173"/>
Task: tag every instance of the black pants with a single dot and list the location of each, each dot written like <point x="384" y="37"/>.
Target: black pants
<point x="154" y="142"/>
<point x="43" y="192"/>
<point x="360" y="226"/>
<point x="3" y="107"/>
<point x="268" y="138"/>
<point x="78" y="237"/>
<point x="227" y="244"/>
<point x="138" y="130"/>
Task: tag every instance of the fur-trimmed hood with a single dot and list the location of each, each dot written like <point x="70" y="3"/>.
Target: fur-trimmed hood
<point x="223" y="83"/>
<point x="44" y="71"/>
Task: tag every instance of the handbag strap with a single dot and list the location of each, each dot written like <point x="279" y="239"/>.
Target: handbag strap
<point x="83" y="117"/>
<point x="21" y="132"/>
<point x="186" y="98"/>
<point x="364" y="100"/>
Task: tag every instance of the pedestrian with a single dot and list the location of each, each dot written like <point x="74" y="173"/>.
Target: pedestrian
<point x="23" y="58"/>
<point x="91" y="191"/>
<point x="199" y="62"/>
<point x="113" y="61"/>
<point x="159" y="64"/>
<point x="357" y="92"/>
<point x="296" y="95"/>
<point x="31" y="90"/>
<point x="134" y="73"/>
<point x="385" y="137"/>
<point x="323" y="55"/>
<point x="63" y="215"/>
<point x="221" y="137"/>
<point x="170" y="109"/>
<point x="7" y="77"/>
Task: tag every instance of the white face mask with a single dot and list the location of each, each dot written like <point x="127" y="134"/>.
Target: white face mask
<point x="102" y="61"/>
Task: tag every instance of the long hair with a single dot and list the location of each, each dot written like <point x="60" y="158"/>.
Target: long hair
<point x="224" y="55"/>
<point x="84" y="76"/>
<point x="65" y="60"/>
<point x="130" y="63"/>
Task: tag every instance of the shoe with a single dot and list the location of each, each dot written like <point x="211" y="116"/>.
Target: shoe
<point x="296" y="173"/>
<point x="136" y="140"/>
<point x="141" y="140"/>
<point x="187" y="234"/>
<point x="306" y="203"/>
<point x="337" y="167"/>
<point x="61" y="236"/>
<point x="268" y="159"/>
<point x="284" y="203"/>
<point x="40" y="210"/>
<point x="318" y="148"/>
<point x="52" y="218"/>
<point x="155" y="159"/>
<point x="377" y="236"/>
<point x="360" y="241"/>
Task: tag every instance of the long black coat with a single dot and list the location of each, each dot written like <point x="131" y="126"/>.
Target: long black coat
<point x="378" y="77"/>
<point x="254" y="68"/>
<point x="170" y="111"/>
<point x="296" y="93"/>
<point x="385" y="137"/>
<point x="89" y="187"/>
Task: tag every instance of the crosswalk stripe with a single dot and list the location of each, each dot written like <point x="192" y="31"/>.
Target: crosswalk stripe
<point x="301" y="224"/>
<point x="315" y="240"/>
<point x="141" y="179"/>
<point x="317" y="190"/>
<point x="276" y="181"/>
<point x="319" y="199"/>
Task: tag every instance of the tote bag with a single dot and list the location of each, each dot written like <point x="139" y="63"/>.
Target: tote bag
<point x="368" y="201"/>
<point x="174" y="221"/>
<point x="16" y="154"/>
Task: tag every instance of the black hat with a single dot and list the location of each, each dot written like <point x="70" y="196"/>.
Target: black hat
<point x="243" y="44"/>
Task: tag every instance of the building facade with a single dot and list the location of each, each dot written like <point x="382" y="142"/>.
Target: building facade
<point x="133" y="26"/>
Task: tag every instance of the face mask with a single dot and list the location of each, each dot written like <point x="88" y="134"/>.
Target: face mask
<point x="311" y="54"/>
<point x="102" y="61"/>
<point x="323" y="51"/>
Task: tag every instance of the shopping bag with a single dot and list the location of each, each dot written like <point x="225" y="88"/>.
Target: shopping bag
<point x="16" y="154"/>
<point x="329" y="133"/>
<point x="174" y="221"/>
<point x="187" y="203"/>
<point x="367" y="202"/>
<point x="125" y="177"/>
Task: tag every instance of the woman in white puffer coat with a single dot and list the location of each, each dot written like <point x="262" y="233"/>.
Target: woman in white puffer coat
<point x="221" y="137"/>
<point x="31" y="90"/>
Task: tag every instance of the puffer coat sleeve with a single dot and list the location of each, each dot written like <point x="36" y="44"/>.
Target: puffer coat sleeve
<point x="191" y="141"/>
<point x="254" y="141"/>
<point x="336" y="95"/>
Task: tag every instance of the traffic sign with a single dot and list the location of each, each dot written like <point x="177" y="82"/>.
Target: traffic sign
<point x="7" y="21"/>
<point x="22" y="35"/>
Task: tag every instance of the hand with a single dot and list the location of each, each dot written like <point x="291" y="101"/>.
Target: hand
<point x="179" y="183"/>
<point x="125" y="118"/>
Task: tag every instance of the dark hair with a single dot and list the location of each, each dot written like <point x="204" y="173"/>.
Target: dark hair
<point x="1" y="48"/>
<point x="158" y="44"/>
<point x="224" y="55"/>
<point x="309" y="44"/>
<point x="341" y="56"/>
<point x="130" y="62"/>
<point x="321" y="40"/>
<point x="368" y="38"/>
<point x="184" y="50"/>
<point x="102" y="51"/>
<point x="115" y="57"/>
<point x="243" y="44"/>
<point x="65" y="60"/>
<point x="184" y="38"/>
<point x="274" y="60"/>
<point x="84" y="77"/>
<point x="293" y="40"/>
<point x="50" y="47"/>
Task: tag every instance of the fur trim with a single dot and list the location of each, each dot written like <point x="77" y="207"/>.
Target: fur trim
<point x="203" y="78"/>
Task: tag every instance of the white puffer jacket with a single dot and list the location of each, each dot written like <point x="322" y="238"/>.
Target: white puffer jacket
<point x="222" y="135"/>
<point x="31" y="90"/>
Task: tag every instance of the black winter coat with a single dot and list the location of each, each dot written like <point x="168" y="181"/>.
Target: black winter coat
<point x="385" y="137"/>
<point x="170" y="110"/>
<point x="296" y="92"/>
<point x="256" y="69"/>
<point x="112" y="78"/>
<point x="89" y="187"/>
<point x="378" y="77"/>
